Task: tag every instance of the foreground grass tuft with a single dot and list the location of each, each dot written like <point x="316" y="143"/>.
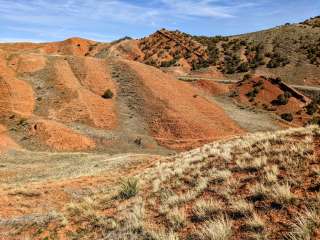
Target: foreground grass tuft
<point x="219" y="229"/>
<point x="129" y="188"/>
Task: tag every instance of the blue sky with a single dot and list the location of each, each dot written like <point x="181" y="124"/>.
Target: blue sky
<point x="107" y="20"/>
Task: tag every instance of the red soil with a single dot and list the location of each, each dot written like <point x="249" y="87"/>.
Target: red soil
<point x="58" y="137"/>
<point x="73" y="94"/>
<point x="128" y="49"/>
<point x="16" y="96"/>
<point x="267" y="94"/>
<point x="27" y="63"/>
<point x="6" y="143"/>
<point x="72" y="46"/>
<point x="212" y="87"/>
<point x="81" y="102"/>
<point x="177" y="116"/>
<point x="208" y="73"/>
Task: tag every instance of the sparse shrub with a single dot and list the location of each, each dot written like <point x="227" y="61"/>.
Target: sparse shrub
<point x="129" y="188"/>
<point x="247" y="76"/>
<point x="176" y="218"/>
<point x="259" y="192"/>
<point x="304" y="226"/>
<point x="312" y="108"/>
<point x="108" y="94"/>
<point x="219" y="229"/>
<point x="254" y="92"/>
<point x="231" y="63"/>
<point x="255" y="224"/>
<point x="258" y="84"/>
<point x="287" y="116"/>
<point x="282" y="194"/>
<point x="203" y="209"/>
<point x="168" y="63"/>
<point x="219" y="176"/>
<point x="281" y="100"/>
<point x="275" y="80"/>
<point x="243" y="67"/>
<point x="277" y="61"/>
<point x="287" y="94"/>
<point x="315" y="121"/>
<point x="271" y="175"/>
<point x="241" y="208"/>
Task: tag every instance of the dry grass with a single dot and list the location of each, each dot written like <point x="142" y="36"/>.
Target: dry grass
<point x="282" y="193"/>
<point x="225" y="190"/>
<point x="219" y="229"/>
<point x="204" y="209"/>
<point x="304" y="225"/>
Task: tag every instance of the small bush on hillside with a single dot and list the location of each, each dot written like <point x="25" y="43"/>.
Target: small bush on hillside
<point x="231" y="63"/>
<point x="281" y="100"/>
<point x="243" y="67"/>
<point x="312" y="108"/>
<point x="151" y="62"/>
<point x="258" y="84"/>
<point x="254" y="92"/>
<point x="287" y="116"/>
<point x="199" y="65"/>
<point x="168" y="63"/>
<point x="108" y="94"/>
<point x="277" y="61"/>
<point x="247" y="76"/>
<point x="275" y="80"/>
<point x="129" y="188"/>
<point x="314" y="121"/>
<point x="287" y="94"/>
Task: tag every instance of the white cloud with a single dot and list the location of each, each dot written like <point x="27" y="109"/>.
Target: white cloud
<point x="61" y="18"/>
<point x="13" y="40"/>
<point x="202" y="8"/>
<point x="70" y="11"/>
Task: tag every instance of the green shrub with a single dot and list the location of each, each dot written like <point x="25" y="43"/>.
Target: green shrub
<point x="287" y="94"/>
<point x="275" y="80"/>
<point x="108" y="94"/>
<point x="315" y="121"/>
<point x="258" y="84"/>
<point x="253" y="93"/>
<point x="168" y="63"/>
<point x="287" y="116"/>
<point x="129" y="188"/>
<point x="277" y="60"/>
<point x="247" y="76"/>
<point x="243" y="67"/>
<point x="281" y="100"/>
<point x="312" y="108"/>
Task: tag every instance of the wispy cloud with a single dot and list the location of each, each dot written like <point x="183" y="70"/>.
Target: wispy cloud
<point x="202" y="8"/>
<point x="71" y="11"/>
<point x="48" y="19"/>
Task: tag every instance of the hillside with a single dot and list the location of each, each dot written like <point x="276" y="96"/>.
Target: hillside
<point x="260" y="186"/>
<point x="81" y="95"/>
<point x="167" y="48"/>
<point x="275" y="96"/>
<point x="102" y="141"/>
<point x="55" y="96"/>
<point x="290" y="51"/>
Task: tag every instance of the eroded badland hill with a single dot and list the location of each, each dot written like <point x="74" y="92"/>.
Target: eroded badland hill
<point x="171" y="136"/>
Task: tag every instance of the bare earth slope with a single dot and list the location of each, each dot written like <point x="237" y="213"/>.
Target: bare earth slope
<point x="51" y="99"/>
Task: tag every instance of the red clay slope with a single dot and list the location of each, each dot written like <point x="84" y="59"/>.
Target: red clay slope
<point x="72" y="46"/>
<point x="50" y="91"/>
<point x="179" y="118"/>
<point x="267" y="93"/>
